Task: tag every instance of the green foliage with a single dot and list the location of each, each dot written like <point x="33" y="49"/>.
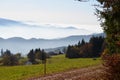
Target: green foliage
<point x="54" y="65"/>
<point x="110" y="21"/>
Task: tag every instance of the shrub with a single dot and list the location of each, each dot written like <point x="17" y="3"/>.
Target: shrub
<point x="10" y="60"/>
<point x="22" y="61"/>
<point x="112" y="66"/>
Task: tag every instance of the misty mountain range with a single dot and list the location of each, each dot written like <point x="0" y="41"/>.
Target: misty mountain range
<point x="18" y="44"/>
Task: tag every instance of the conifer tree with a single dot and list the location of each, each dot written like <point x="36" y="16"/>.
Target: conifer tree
<point x="31" y="56"/>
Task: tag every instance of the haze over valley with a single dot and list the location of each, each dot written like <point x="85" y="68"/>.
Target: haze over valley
<point x="18" y="44"/>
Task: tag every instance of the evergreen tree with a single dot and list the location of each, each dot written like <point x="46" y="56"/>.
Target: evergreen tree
<point x="72" y="52"/>
<point x="68" y="51"/>
<point x="97" y="43"/>
<point x="43" y="56"/>
<point x="2" y="52"/>
<point x="79" y="44"/>
<point x="91" y="49"/>
<point x="31" y="56"/>
<point x="82" y="42"/>
<point x="86" y="50"/>
<point x="38" y="53"/>
<point x="110" y="21"/>
<point x="7" y="52"/>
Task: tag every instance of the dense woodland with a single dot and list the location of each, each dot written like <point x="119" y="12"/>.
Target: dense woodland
<point x="83" y="49"/>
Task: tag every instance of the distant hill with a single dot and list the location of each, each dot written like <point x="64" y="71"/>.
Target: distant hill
<point x="17" y="44"/>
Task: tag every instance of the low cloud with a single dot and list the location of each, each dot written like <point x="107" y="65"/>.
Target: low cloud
<point x="28" y="30"/>
<point x="9" y="22"/>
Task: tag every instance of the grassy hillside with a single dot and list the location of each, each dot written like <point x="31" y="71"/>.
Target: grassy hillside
<point x="54" y="64"/>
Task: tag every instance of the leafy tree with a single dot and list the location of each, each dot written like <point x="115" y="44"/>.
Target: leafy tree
<point x="18" y="55"/>
<point x="9" y="59"/>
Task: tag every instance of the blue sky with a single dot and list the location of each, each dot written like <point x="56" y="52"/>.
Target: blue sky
<point x="48" y="13"/>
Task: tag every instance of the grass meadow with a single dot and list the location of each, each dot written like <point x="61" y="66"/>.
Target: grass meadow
<point x="54" y="65"/>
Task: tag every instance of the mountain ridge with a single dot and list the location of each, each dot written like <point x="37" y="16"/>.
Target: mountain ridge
<point x="17" y="44"/>
<point x="101" y="34"/>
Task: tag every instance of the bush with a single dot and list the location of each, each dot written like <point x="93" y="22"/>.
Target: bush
<point x="112" y="66"/>
<point x="23" y="61"/>
<point x="10" y="60"/>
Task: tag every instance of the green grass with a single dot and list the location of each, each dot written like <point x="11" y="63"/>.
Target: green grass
<point x="54" y="64"/>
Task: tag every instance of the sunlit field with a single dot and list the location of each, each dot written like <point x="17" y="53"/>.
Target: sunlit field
<point x="54" y="65"/>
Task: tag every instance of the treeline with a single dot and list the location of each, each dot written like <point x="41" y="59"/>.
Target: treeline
<point x="33" y="57"/>
<point x="83" y="49"/>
